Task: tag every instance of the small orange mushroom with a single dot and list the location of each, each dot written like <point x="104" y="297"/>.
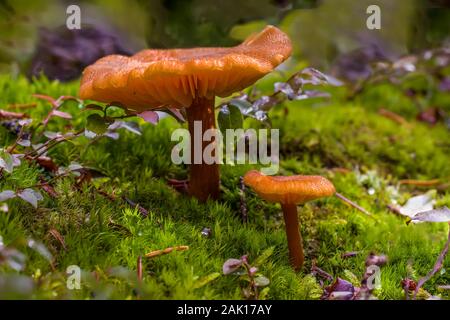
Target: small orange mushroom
<point x="289" y="192"/>
<point x="189" y="78"/>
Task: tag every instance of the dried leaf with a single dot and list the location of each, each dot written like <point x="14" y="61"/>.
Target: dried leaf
<point x="55" y="233"/>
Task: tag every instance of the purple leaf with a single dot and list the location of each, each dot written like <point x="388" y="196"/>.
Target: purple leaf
<point x="340" y="289"/>
<point x="149" y="116"/>
<point x="436" y="215"/>
<point x="7" y="194"/>
<point x="231" y="265"/>
<point x="31" y="196"/>
<point x="253" y="270"/>
<point x="24" y="142"/>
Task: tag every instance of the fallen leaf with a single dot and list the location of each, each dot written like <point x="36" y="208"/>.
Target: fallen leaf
<point x="55" y="233"/>
<point x="436" y="215"/>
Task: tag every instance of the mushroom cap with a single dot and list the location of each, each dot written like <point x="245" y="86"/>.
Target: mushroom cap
<point x="289" y="190"/>
<point x="155" y="78"/>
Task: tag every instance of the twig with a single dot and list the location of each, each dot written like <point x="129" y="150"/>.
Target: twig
<point x="142" y="210"/>
<point x="437" y="266"/>
<point x="243" y="203"/>
<point x="158" y="253"/>
<point x="393" y="116"/>
<point x="58" y="237"/>
<point x="316" y="270"/>
<point x="420" y="182"/>
<point x="139" y="269"/>
<point x="351" y="203"/>
<point x="12" y="115"/>
<point x="19" y="137"/>
<point x="21" y="105"/>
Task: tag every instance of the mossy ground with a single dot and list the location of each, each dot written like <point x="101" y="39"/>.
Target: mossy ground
<point x="316" y="137"/>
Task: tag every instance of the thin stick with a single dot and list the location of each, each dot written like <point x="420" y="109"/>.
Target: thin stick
<point x="139" y="269"/>
<point x="437" y="266"/>
<point x="158" y="253"/>
<point x="420" y="182"/>
<point x="351" y="203"/>
<point x="243" y="203"/>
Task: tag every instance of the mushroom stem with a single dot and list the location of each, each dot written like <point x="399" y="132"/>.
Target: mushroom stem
<point x="294" y="238"/>
<point x="204" y="178"/>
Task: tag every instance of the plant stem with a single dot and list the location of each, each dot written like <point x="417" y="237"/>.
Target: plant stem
<point x="351" y="203"/>
<point x="294" y="238"/>
<point x="204" y="181"/>
<point x="437" y="266"/>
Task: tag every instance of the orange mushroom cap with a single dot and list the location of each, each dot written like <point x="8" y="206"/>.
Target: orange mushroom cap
<point x="289" y="190"/>
<point x="156" y="78"/>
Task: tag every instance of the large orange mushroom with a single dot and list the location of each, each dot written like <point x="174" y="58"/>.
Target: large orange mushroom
<point x="186" y="78"/>
<point x="289" y="192"/>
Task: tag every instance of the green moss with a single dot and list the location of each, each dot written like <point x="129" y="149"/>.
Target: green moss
<point x="102" y="235"/>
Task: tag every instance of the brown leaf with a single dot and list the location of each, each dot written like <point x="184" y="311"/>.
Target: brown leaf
<point x="49" y="189"/>
<point x="58" y="237"/>
<point x="47" y="163"/>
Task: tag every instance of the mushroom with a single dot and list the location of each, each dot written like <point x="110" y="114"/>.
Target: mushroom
<point x="289" y="192"/>
<point x="186" y="78"/>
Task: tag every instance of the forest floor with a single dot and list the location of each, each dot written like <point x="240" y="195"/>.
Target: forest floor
<point x="91" y="223"/>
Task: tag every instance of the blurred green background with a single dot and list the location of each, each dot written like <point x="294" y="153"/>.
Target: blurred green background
<point x="322" y="30"/>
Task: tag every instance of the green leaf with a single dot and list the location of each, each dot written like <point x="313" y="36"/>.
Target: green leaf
<point x="96" y="123"/>
<point x="243" y="105"/>
<point x="93" y="106"/>
<point x="262" y="281"/>
<point x="230" y="117"/>
<point x="264" y="294"/>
